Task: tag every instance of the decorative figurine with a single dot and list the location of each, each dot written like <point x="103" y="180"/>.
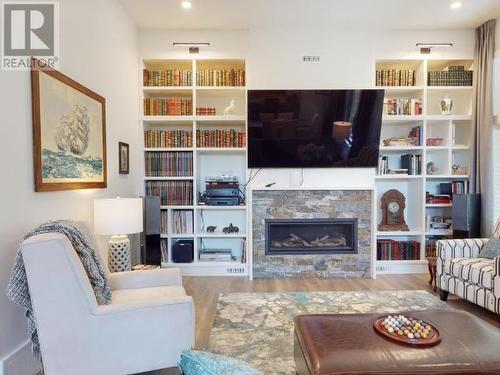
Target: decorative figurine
<point x="231" y="229"/>
<point x="211" y="228"/>
<point x="431" y="168"/>
<point x="445" y="105"/>
<point x="230" y="110"/>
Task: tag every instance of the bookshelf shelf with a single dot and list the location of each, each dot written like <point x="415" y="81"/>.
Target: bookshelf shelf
<point x="452" y="133"/>
<point x="438" y="205"/>
<point x="199" y="162"/>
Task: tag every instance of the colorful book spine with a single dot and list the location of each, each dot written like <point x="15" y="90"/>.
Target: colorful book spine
<point x="395" y="77"/>
<point x="168" y="164"/>
<point x="171" y="193"/>
<point x="168" y="138"/>
<point x="397" y="250"/>
<point x="206" y="111"/>
<point x="168" y="107"/>
<point x="402" y="106"/>
<point x="176" y="77"/>
<point x="220" y="77"/>
<point x="220" y="138"/>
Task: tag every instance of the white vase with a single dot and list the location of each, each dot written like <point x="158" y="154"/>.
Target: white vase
<point x="445" y="105"/>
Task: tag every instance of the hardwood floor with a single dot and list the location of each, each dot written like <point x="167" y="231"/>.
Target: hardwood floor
<point x="205" y="292"/>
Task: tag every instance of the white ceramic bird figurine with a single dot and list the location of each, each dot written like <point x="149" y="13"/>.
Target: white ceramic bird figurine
<point x="230" y="109"/>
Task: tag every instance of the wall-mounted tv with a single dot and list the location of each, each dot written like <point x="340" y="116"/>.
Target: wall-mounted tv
<point x="314" y="128"/>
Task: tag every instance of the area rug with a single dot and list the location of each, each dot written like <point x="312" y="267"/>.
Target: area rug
<point x="258" y="327"/>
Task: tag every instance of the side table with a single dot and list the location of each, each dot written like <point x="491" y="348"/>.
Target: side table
<point x="431" y="263"/>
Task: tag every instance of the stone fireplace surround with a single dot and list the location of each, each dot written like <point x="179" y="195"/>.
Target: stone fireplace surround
<point x="314" y="204"/>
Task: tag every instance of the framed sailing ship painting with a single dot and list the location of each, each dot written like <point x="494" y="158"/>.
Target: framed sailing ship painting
<point x="69" y="132"/>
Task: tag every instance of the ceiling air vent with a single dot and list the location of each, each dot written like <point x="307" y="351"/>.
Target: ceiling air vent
<point x="310" y="58"/>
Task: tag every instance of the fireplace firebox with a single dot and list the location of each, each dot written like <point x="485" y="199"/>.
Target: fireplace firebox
<point x="311" y="236"/>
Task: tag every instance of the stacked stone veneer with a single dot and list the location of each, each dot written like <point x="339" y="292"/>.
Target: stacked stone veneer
<point x="300" y="204"/>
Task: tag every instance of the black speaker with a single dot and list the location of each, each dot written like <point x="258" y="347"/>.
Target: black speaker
<point x="183" y="251"/>
<point x="466" y="215"/>
<point x="150" y="238"/>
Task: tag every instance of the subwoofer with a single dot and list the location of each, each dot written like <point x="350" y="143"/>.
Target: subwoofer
<point x="183" y="251"/>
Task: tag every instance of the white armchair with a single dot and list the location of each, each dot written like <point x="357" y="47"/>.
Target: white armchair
<point x="147" y="325"/>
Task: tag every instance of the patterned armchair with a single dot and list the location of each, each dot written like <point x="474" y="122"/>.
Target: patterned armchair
<point x="462" y="271"/>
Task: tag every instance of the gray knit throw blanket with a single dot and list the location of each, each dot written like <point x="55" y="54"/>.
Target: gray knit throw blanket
<point x="18" y="291"/>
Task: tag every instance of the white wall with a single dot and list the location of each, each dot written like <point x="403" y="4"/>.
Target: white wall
<point x="274" y="60"/>
<point x="99" y="50"/>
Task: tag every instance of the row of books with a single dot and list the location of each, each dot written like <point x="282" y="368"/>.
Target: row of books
<point x="402" y="106"/>
<point x="452" y="76"/>
<point x="163" y="221"/>
<point x="171" y="193"/>
<point x="431" y="245"/>
<point x="397" y="250"/>
<point x="413" y="163"/>
<point x="220" y="77"/>
<point x="168" y="106"/>
<point x="460" y="187"/>
<point x="206" y="111"/>
<point x="168" y="164"/>
<point x="220" y="138"/>
<point x="175" y="77"/>
<point x="168" y="138"/>
<point x="182" y="222"/>
<point x="395" y="77"/>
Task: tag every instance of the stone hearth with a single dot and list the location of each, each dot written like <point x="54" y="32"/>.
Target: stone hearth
<point x="313" y="204"/>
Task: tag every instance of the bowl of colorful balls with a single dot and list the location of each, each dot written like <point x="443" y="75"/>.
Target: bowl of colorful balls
<point x="407" y="330"/>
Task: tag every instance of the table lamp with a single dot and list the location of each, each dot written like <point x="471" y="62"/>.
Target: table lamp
<point x="118" y="217"/>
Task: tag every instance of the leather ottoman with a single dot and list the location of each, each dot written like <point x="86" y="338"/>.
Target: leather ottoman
<point x="331" y="344"/>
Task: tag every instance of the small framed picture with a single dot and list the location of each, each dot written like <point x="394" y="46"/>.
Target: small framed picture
<point x="123" y="158"/>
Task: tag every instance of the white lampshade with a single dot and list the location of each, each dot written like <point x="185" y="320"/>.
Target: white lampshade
<point x="118" y="216"/>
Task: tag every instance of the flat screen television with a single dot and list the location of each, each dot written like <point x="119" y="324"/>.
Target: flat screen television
<point x="314" y="128"/>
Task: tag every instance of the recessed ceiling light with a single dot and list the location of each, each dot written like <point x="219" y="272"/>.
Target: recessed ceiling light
<point x="186" y="4"/>
<point x="455" y="4"/>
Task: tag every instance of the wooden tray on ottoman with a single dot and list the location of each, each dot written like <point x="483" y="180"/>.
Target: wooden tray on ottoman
<point x="432" y="339"/>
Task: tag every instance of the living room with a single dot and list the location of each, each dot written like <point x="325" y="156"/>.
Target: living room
<point x="250" y="187"/>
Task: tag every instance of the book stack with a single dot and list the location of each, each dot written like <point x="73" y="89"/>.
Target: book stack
<point x="397" y="250"/>
<point x="395" y="77"/>
<point x="163" y="222"/>
<point x="413" y="163"/>
<point x="182" y="222"/>
<point x="174" y="77"/>
<point x="164" y="250"/>
<point x="168" y="164"/>
<point x="168" y="138"/>
<point x="168" y="107"/>
<point x="450" y="76"/>
<point x="220" y="138"/>
<point x="171" y="193"/>
<point x="437" y="222"/>
<point x="438" y="198"/>
<point x="402" y="106"/>
<point x="205" y="111"/>
<point x="220" y="77"/>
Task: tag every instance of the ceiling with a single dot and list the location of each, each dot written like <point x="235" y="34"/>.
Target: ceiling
<point x="367" y="14"/>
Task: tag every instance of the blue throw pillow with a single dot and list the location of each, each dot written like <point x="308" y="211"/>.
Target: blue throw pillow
<point x="194" y="362"/>
<point x="491" y="249"/>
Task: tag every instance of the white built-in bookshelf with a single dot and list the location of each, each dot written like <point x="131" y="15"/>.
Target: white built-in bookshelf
<point x="453" y="129"/>
<point x="204" y="160"/>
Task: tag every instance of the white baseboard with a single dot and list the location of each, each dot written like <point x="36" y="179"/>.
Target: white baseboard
<point x="20" y="362"/>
